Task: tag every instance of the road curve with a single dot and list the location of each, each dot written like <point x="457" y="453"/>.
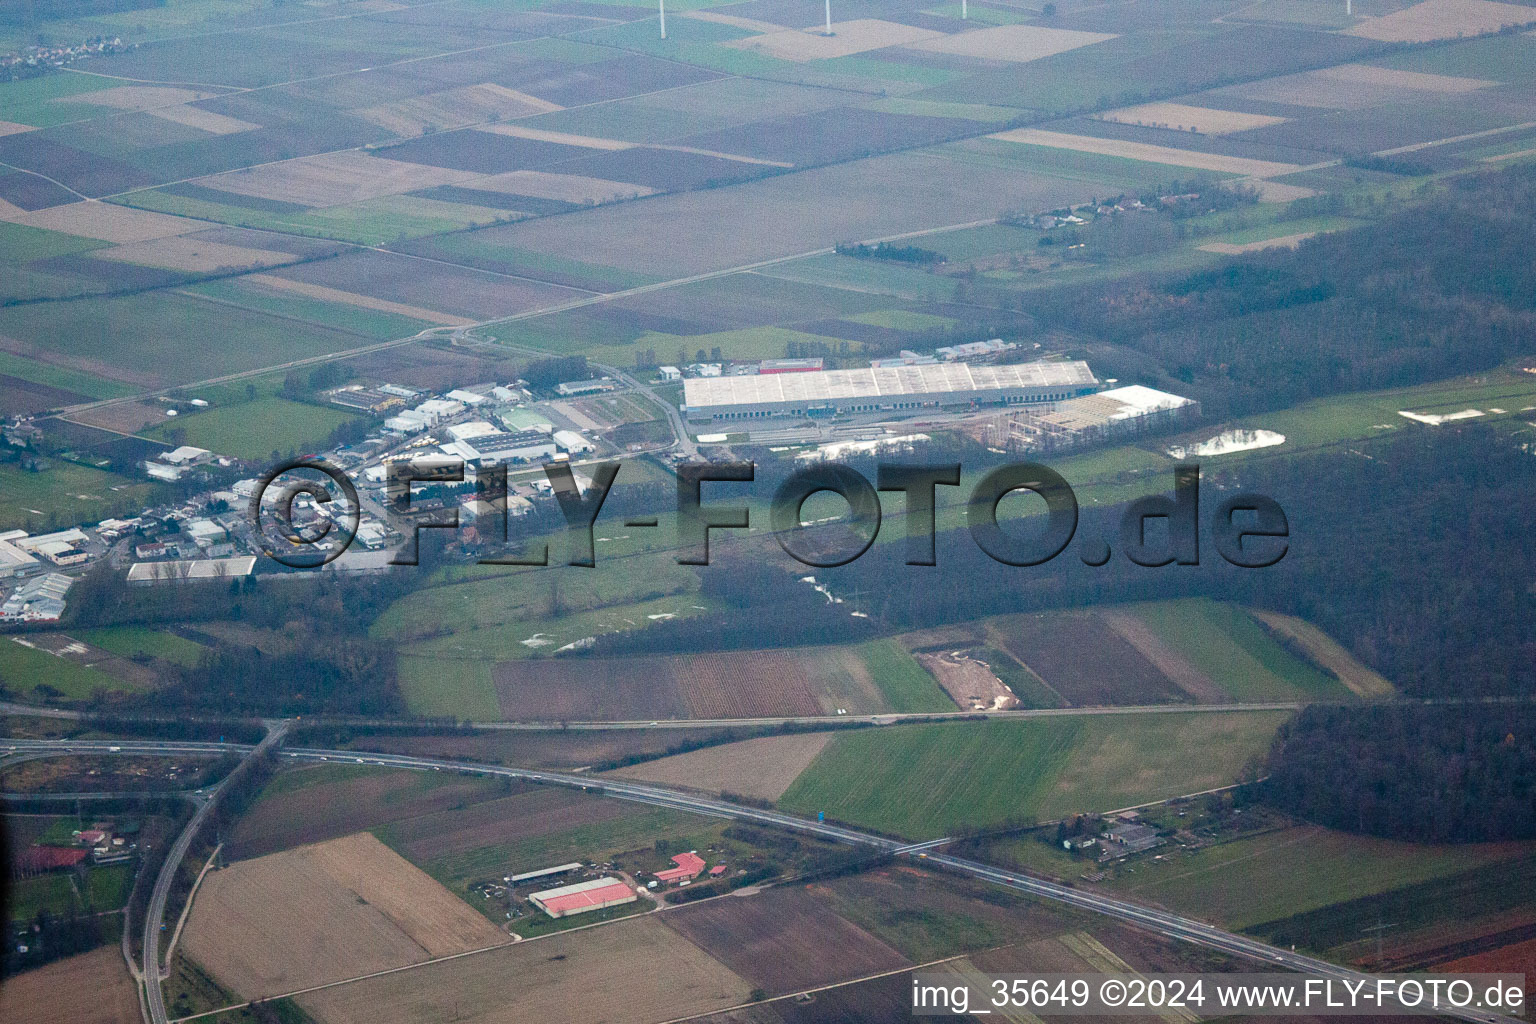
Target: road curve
<point x="1160" y="922"/>
<point x="154" y="914"/>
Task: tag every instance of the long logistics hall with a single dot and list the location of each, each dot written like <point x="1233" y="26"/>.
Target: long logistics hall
<point x="882" y="389"/>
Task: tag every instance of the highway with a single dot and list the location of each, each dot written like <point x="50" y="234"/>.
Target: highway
<point x="154" y="915"/>
<point x="1160" y="922"/>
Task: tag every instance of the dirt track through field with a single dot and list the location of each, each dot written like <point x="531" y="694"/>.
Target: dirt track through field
<point x="1147" y="153"/>
<point x="1182" y="674"/>
<point x="316" y="291"/>
<point x="1327" y="652"/>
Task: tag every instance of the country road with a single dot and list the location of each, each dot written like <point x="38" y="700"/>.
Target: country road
<point x="154" y="914"/>
<point x="1160" y="922"/>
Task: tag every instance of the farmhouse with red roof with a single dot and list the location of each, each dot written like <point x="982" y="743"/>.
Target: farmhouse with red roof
<point x="688" y="867"/>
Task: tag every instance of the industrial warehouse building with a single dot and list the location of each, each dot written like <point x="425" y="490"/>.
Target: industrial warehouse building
<point x="582" y="897"/>
<point x="1118" y="412"/>
<point x="879" y="389"/>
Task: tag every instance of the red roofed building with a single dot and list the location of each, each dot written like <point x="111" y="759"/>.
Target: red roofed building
<point x="717" y="871"/>
<point x="594" y="894"/>
<point x="48" y="858"/>
<point x="688" y="867"/>
<point x="91" y="837"/>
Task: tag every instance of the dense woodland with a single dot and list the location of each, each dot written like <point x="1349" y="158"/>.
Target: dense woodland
<point x="1441" y="287"/>
<point x="1421" y="773"/>
<point x="1416" y="555"/>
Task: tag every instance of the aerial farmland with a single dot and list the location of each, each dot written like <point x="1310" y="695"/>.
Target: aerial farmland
<point x="604" y="701"/>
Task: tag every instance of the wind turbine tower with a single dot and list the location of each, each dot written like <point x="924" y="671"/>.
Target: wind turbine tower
<point x="829" y="17"/>
<point x="663" y="6"/>
<point x="963" y="15"/>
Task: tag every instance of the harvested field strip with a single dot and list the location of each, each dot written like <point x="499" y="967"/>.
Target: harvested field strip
<point x="433" y="918"/>
<point x="453" y="108"/>
<point x="207" y="120"/>
<point x="562" y="138"/>
<point x="1021" y="43"/>
<point x="316" y="291"/>
<point x="1183" y="117"/>
<point x="636" y="969"/>
<point x="105" y="221"/>
<point x="1280" y="242"/>
<point x="1371" y="75"/>
<point x="195" y="256"/>
<point x="1327" y="652"/>
<point x="333" y="179"/>
<point x="593" y="142"/>
<point x="848" y="38"/>
<point x="1146" y="152"/>
<point x="91" y="988"/>
<point x="763" y="768"/>
<point x="1442" y="19"/>
<point x="293" y="920"/>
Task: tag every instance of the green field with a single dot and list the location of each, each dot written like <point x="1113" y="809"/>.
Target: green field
<point x="166" y="335"/>
<point x="906" y="685"/>
<point x="22" y="244"/>
<point x="1249" y="881"/>
<point x="370" y="323"/>
<point x="64" y="494"/>
<point x="1225" y="643"/>
<point x="103" y="888"/>
<point x="141" y="641"/>
<point x="23" y="669"/>
<point x="62" y="377"/>
<point x="902" y="320"/>
<point x="253" y="430"/>
<point x="922" y="781"/>
<point x="441" y="687"/>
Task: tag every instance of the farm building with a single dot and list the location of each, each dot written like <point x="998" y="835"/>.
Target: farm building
<point x="688" y="867"/>
<point x="1126" y="839"/>
<point x="583" y="897"/>
<point x="884" y="389"/>
<point x="528" y="876"/>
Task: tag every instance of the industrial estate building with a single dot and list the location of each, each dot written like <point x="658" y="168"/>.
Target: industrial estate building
<point x="1118" y="412"/>
<point x="883" y="389"/>
<point x="583" y="897"/>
